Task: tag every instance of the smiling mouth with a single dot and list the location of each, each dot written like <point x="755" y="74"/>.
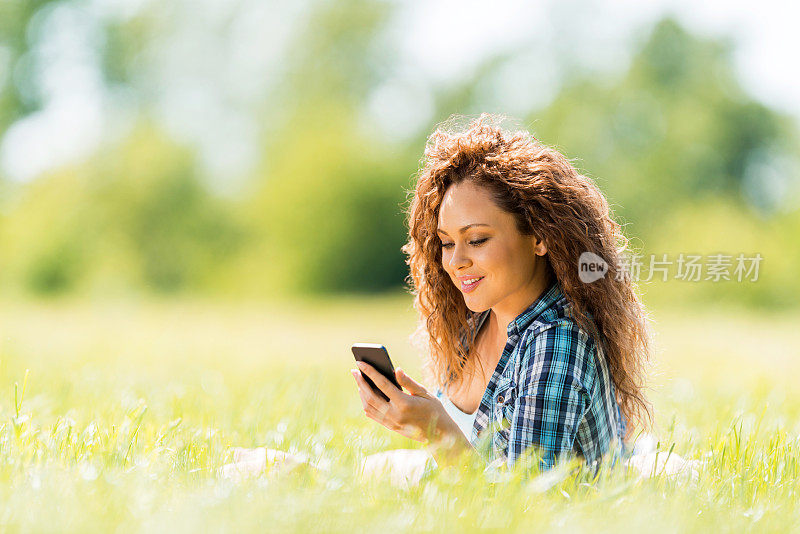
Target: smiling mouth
<point x="466" y="288"/>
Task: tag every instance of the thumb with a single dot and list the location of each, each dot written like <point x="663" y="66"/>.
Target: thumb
<point x="410" y="384"/>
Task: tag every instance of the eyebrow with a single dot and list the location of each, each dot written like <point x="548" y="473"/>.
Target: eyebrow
<point x="463" y="228"/>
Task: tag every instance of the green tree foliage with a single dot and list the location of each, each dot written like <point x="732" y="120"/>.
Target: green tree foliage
<point x="46" y="236"/>
<point x="328" y="203"/>
<point x="331" y="211"/>
<point x="674" y="144"/>
<point x="18" y="96"/>
<point x="677" y="126"/>
<point x="136" y="214"/>
<point x="688" y="160"/>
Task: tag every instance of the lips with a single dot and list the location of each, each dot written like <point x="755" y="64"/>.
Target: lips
<point x="466" y="288"/>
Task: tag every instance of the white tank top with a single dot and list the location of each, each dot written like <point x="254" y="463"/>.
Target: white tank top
<point x="465" y="421"/>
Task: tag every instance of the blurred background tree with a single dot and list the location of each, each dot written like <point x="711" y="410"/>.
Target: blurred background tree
<point x="327" y="199"/>
<point x="134" y="216"/>
<point x="160" y="204"/>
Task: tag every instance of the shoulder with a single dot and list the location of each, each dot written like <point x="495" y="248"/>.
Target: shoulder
<point x="554" y="350"/>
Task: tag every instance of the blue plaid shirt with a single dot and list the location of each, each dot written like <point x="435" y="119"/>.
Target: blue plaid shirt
<point x="551" y="389"/>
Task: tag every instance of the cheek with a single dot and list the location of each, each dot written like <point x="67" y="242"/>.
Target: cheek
<point x="497" y="257"/>
<point x="504" y="264"/>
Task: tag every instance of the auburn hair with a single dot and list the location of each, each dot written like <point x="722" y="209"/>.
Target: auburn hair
<point x="550" y="199"/>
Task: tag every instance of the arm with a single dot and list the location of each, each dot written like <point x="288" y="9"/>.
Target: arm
<point x="418" y="415"/>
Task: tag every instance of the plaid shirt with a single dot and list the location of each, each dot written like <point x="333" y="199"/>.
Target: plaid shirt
<point x="551" y="389"/>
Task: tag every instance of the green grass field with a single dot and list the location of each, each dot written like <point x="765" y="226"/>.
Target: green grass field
<point x="116" y="416"/>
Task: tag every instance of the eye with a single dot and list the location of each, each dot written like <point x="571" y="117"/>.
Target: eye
<point x="473" y="243"/>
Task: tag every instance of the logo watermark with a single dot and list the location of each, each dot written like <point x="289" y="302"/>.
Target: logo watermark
<point x="683" y="267"/>
<point x="591" y="267"/>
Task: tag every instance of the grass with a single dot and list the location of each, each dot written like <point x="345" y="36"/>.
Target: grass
<point x="115" y="416"/>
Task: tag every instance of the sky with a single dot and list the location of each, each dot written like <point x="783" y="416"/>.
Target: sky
<point x="766" y="34"/>
<point x="438" y="41"/>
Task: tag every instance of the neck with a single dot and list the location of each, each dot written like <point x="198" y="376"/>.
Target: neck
<point x="509" y="309"/>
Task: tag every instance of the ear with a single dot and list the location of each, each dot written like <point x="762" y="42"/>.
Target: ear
<point x="539" y="247"/>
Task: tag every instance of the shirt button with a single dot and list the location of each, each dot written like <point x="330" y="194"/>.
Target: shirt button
<point x="500" y="399"/>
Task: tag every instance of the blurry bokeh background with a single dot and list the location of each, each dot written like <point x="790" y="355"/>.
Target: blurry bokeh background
<point x="201" y="208"/>
<point x="250" y="148"/>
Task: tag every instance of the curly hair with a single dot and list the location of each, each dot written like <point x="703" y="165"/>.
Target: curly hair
<point x="549" y="199"/>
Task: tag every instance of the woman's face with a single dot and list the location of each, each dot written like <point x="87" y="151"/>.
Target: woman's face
<point x="480" y="240"/>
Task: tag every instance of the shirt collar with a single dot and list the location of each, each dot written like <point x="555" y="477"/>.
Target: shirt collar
<point x="545" y="300"/>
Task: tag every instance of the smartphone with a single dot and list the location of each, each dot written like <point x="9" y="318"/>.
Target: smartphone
<point x="378" y="357"/>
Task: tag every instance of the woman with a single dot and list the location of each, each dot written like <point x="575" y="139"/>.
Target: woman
<point x="532" y="358"/>
<point x="497" y="227"/>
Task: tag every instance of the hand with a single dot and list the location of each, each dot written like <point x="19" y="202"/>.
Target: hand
<point x="418" y="416"/>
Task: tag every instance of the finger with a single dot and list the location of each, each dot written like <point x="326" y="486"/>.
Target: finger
<point x="361" y="393"/>
<point x="411" y="385"/>
<point x="368" y="395"/>
<point x="381" y="416"/>
<point x="376" y="414"/>
<point x="365" y="401"/>
<point x="388" y="389"/>
<point x="364" y="390"/>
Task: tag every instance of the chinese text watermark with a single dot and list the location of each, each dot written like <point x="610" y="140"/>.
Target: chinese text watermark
<point x="684" y="267"/>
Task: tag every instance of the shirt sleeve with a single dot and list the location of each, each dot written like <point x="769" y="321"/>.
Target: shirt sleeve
<point x="552" y="396"/>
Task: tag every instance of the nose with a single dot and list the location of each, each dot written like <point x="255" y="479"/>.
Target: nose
<point x="459" y="258"/>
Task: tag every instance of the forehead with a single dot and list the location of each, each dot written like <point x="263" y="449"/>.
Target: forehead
<point x="466" y="203"/>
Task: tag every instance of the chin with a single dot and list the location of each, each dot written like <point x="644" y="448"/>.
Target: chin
<point x="475" y="306"/>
